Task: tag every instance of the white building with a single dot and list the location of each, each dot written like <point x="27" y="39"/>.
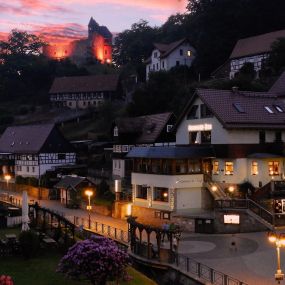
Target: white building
<point x="31" y="150"/>
<point x="166" y="56"/>
<point x="223" y="138"/>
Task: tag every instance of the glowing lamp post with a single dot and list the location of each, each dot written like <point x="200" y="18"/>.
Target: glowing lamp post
<point x="279" y="240"/>
<point x="7" y="177"/>
<point x="89" y="193"/>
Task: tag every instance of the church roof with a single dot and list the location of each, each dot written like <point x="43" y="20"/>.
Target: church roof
<point x="256" y="45"/>
<point x="89" y="83"/>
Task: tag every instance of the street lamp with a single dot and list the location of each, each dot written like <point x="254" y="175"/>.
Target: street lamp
<point x="89" y="193"/>
<point x="279" y="240"/>
<point x="7" y="177"/>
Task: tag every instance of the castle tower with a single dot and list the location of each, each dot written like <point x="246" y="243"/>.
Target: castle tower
<point x="93" y="27"/>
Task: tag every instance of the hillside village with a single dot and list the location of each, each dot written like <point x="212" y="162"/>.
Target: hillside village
<point x="164" y="139"/>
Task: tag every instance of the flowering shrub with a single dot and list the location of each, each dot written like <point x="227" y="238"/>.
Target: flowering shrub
<point x="97" y="259"/>
<point x="6" y="280"/>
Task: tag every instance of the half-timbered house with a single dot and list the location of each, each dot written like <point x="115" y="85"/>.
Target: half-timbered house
<point x="31" y="150"/>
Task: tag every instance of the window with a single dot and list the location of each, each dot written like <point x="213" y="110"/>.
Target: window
<point x="262" y="137"/>
<point x="189" y="53"/>
<point x="116" y="132"/>
<point x="206" y="137"/>
<point x="141" y="192"/>
<point x="193" y="137"/>
<point x="205" y="111"/>
<point x="181" y="166"/>
<point x="162" y="64"/>
<point x="106" y="52"/>
<point x="273" y="167"/>
<point x="194" y="166"/>
<point x="160" y="194"/>
<point x="157" y="66"/>
<point x="216" y="167"/>
<point x="279" y="108"/>
<point x="192" y="114"/>
<point x="155" y="54"/>
<point x="278" y="136"/>
<point x="168" y="128"/>
<point x="33" y="169"/>
<point x="239" y="107"/>
<point x="125" y="148"/>
<point x="229" y="168"/>
<point x="181" y="52"/>
<point x="61" y="156"/>
<point x="177" y="62"/>
<point x="28" y="169"/>
<point x="268" y="110"/>
<point x="254" y="168"/>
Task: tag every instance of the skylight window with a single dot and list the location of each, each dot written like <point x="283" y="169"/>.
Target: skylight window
<point x="268" y="110"/>
<point x="279" y="109"/>
<point x="239" y="107"/>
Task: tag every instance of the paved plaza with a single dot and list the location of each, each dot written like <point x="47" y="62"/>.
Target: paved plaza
<point x="253" y="260"/>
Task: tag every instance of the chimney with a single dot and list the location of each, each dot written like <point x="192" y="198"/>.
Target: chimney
<point x="235" y="89"/>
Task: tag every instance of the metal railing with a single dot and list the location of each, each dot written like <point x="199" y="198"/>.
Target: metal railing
<point x="246" y="204"/>
<point x="102" y="229"/>
<point x="204" y="272"/>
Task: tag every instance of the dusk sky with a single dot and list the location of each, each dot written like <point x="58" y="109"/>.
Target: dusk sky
<point x="68" y="19"/>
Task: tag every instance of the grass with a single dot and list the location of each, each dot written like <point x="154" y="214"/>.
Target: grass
<point x="41" y="270"/>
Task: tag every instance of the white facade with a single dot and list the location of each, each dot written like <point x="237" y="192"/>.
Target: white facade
<point x="30" y="165"/>
<point x="183" y="191"/>
<point x="184" y="54"/>
<point x="119" y="168"/>
<point x="256" y="60"/>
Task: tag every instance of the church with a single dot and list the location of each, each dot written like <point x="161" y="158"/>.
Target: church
<point x="98" y="46"/>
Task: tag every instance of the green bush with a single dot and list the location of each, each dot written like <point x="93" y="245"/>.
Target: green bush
<point x="29" y="243"/>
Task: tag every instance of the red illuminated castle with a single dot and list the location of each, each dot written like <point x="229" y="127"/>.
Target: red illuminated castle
<point x="97" y="46"/>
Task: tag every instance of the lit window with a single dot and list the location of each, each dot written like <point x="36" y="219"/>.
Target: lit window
<point x="254" y="168"/>
<point x="273" y="167"/>
<point x="268" y="110"/>
<point x="189" y="53"/>
<point x="116" y="132"/>
<point x="160" y="194"/>
<point x="216" y="167"/>
<point x="229" y="168"/>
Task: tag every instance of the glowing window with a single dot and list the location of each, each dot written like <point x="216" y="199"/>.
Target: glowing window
<point x="189" y="53"/>
<point x="254" y="168"/>
<point x="229" y="168"/>
<point x="216" y="167"/>
<point x="273" y="167"/>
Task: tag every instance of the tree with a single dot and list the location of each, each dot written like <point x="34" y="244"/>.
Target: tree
<point x="97" y="259"/>
<point x="275" y="63"/>
<point x="21" y="43"/>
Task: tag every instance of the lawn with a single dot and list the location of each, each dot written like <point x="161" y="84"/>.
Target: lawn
<point x="41" y="270"/>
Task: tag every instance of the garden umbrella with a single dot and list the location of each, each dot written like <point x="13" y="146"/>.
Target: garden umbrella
<point x="25" y="212"/>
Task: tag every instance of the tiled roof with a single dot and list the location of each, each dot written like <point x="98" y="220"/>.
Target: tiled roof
<point x="244" y="109"/>
<point x="172" y="152"/>
<point x="69" y="181"/>
<point x="166" y="49"/>
<point x="148" y="127"/>
<point x="25" y="139"/>
<point x="279" y="86"/>
<point x="256" y="45"/>
<point x="90" y="83"/>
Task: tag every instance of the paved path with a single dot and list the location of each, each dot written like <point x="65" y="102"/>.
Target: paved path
<point x="252" y="261"/>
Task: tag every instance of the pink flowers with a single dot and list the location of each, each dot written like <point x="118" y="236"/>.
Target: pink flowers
<point x="97" y="259"/>
<point x="6" y="280"/>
